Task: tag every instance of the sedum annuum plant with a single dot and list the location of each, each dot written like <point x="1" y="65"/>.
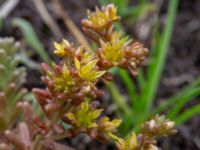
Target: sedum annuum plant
<point x="11" y="80"/>
<point x="20" y="127"/>
<point x="71" y="92"/>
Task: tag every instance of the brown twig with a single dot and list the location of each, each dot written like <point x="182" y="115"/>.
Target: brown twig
<point x="7" y="7"/>
<point x="47" y="18"/>
<point x="70" y="24"/>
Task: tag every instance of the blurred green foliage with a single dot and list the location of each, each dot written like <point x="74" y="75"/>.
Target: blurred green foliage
<point x="12" y="78"/>
<point x="31" y="37"/>
<point x="142" y="101"/>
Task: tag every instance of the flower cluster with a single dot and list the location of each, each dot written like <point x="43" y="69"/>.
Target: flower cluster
<point x="151" y="130"/>
<point x="157" y="127"/>
<point x="101" y="19"/>
<point x="71" y="84"/>
<point x="76" y="74"/>
<point x="115" y="49"/>
<point x="71" y="91"/>
<point x="84" y="117"/>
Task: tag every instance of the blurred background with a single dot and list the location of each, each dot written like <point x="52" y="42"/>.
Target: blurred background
<point x="37" y="23"/>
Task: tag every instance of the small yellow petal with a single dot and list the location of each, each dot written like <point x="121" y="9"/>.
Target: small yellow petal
<point x="84" y="106"/>
<point x="92" y="125"/>
<point x="65" y="43"/>
<point x="132" y="141"/>
<point x="70" y="116"/>
<point x="77" y="63"/>
<point x="95" y="114"/>
<point x="116" y="122"/>
<point x="57" y="46"/>
<point x="99" y="74"/>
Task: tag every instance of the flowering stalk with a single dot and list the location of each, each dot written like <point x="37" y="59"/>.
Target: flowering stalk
<point x="71" y="90"/>
<point x="157" y="127"/>
<point x="71" y="84"/>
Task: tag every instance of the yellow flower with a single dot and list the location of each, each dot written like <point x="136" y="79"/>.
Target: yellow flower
<point x="63" y="81"/>
<point x="61" y="48"/>
<point x="88" y="71"/>
<point x="85" y="54"/>
<point x="112" y="51"/>
<point x="101" y="18"/>
<point x="85" y="116"/>
<point x="130" y="143"/>
<point x="110" y="126"/>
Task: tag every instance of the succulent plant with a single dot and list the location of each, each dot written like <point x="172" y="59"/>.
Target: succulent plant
<point x="71" y="84"/>
<point x="71" y="90"/>
<point x="12" y="78"/>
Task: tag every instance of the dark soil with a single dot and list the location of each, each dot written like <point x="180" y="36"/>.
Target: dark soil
<point x="182" y="67"/>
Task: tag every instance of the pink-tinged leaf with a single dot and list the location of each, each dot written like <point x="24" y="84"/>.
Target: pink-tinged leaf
<point x="12" y="138"/>
<point x="25" y="135"/>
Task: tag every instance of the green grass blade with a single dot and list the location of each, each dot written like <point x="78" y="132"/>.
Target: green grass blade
<point x="141" y="80"/>
<point x="139" y="10"/>
<point x="103" y="2"/>
<point x="31" y="38"/>
<point x="156" y="39"/>
<point x="142" y="1"/>
<point x="171" y="101"/>
<point x="114" y="70"/>
<point x="128" y="83"/>
<point x="122" y="105"/>
<point x="153" y="55"/>
<point x="118" y="99"/>
<point x="130" y="87"/>
<point x="28" y="62"/>
<point x="121" y="3"/>
<point x="1" y="23"/>
<point x="179" y="105"/>
<point x="157" y="66"/>
<point x="187" y="114"/>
